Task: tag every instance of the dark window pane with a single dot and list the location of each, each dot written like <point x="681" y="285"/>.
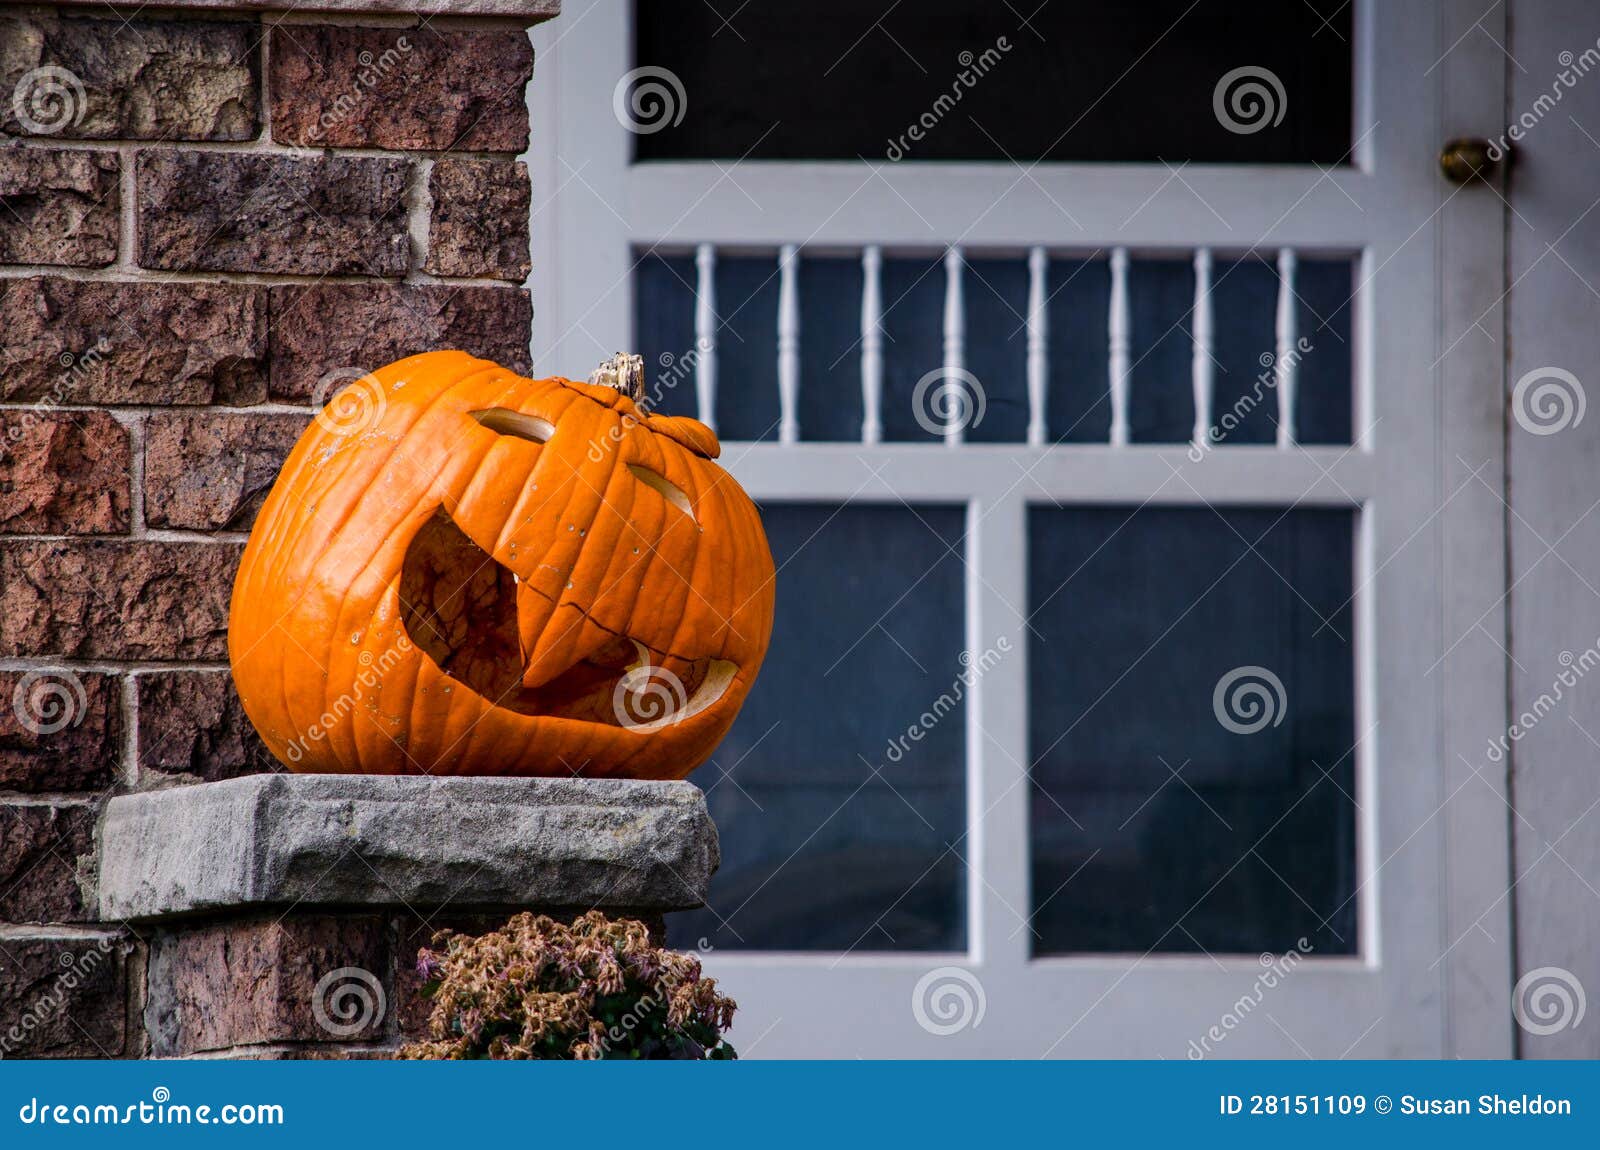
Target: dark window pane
<point x="747" y="340"/>
<point x="768" y="79"/>
<point x="1244" y="303"/>
<point x="1079" y="397"/>
<point x="1160" y="822"/>
<point x="1160" y="351"/>
<point x="1244" y="295"/>
<point x="830" y="839"/>
<point x="996" y="295"/>
<point x="913" y="345"/>
<point x="663" y="308"/>
<point x="1324" y="403"/>
<point x="830" y="349"/>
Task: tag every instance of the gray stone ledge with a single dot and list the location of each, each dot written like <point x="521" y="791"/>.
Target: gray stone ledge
<point x="529" y="11"/>
<point x="355" y="841"/>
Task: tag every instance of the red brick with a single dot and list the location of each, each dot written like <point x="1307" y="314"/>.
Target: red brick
<point x="58" y="207"/>
<point x="479" y="221"/>
<point x="333" y="332"/>
<point x="206" y="470"/>
<point x="39" y="850"/>
<point x="402" y="88"/>
<point x="249" y="983"/>
<point x="138" y="79"/>
<point x="63" y="997"/>
<point x="63" y="473"/>
<point x="122" y="600"/>
<point x="60" y="730"/>
<point x="68" y="341"/>
<point x="191" y="722"/>
<point x="218" y="211"/>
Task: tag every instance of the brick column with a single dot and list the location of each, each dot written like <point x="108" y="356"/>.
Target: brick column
<point x="212" y="215"/>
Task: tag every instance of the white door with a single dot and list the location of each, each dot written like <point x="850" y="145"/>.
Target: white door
<point x="1287" y="650"/>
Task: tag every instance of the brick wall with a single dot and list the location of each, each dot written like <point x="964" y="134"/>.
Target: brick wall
<point x="208" y="221"/>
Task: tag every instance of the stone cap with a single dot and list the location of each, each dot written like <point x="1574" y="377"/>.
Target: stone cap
<point x="353" y="841"/>
<point x="530" y="11"/>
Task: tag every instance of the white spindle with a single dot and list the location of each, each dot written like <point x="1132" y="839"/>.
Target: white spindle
<point x="1287" y="353"/>
<point x="871" y="345"/>
<point x="953" y="400"/>
<point x="1118" y="329"/>
<point x="705" y="334"/>
<point x="788" y="345"/>
<point x="1038" y="347"/>
<point x="1202" y="347"/>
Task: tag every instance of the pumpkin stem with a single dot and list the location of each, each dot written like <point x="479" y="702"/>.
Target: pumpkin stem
<point x="625" y="373"/>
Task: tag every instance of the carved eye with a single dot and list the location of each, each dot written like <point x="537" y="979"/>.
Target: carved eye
<point x="673" y="493"/>
<point x="504" y="421"/>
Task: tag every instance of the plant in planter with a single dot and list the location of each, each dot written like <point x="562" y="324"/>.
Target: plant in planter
<point x="537" y="988"/>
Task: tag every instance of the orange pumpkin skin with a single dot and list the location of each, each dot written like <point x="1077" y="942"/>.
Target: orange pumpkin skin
<point x="429" y="589"/>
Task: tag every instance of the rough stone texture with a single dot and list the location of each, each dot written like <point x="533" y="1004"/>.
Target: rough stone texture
<point x="480" y="219"/>
<point x="418" y="843"/>
<point x="400" y="88"/>
<point x="138" y="79"/>
<point x="216" y="211"/>
<point x="305" y="977"/>
<point x="68" y="341"/>
<point x="192" y="722"/>
<point x="329" y="331"/>
<point x="63" y="473"/>
<point x="60" y="730"/>
<point x="123" y="600"/>
<point x="39" y="849"/>
<point x="58" y="207"/>
<point x="209" y="471"/>
<point x="63" y="997"/>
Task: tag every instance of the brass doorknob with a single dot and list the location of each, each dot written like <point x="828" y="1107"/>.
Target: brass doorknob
<point x="1466" y="159"/>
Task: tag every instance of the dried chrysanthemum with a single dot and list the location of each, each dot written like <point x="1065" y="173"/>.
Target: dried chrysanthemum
<point x="593" y="989"/>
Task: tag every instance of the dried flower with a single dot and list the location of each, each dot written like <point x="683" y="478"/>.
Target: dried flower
<point x="595" y="989"/>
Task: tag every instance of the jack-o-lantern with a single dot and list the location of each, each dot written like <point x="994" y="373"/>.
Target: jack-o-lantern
<point x="463" y="571"/>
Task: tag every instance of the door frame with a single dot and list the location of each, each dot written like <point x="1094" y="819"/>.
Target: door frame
<point x="1433" y="975"/>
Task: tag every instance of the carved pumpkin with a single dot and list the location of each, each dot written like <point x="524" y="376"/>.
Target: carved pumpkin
<point x="463" y="571"/>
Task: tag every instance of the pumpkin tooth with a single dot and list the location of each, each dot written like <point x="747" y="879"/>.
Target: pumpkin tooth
<point x="566" y="638"/>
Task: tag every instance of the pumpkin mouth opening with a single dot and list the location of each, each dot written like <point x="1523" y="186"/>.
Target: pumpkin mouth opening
<point x="460" y="607"/>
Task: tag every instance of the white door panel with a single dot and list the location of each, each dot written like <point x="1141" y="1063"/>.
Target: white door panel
<point x="1432" y="971"/>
